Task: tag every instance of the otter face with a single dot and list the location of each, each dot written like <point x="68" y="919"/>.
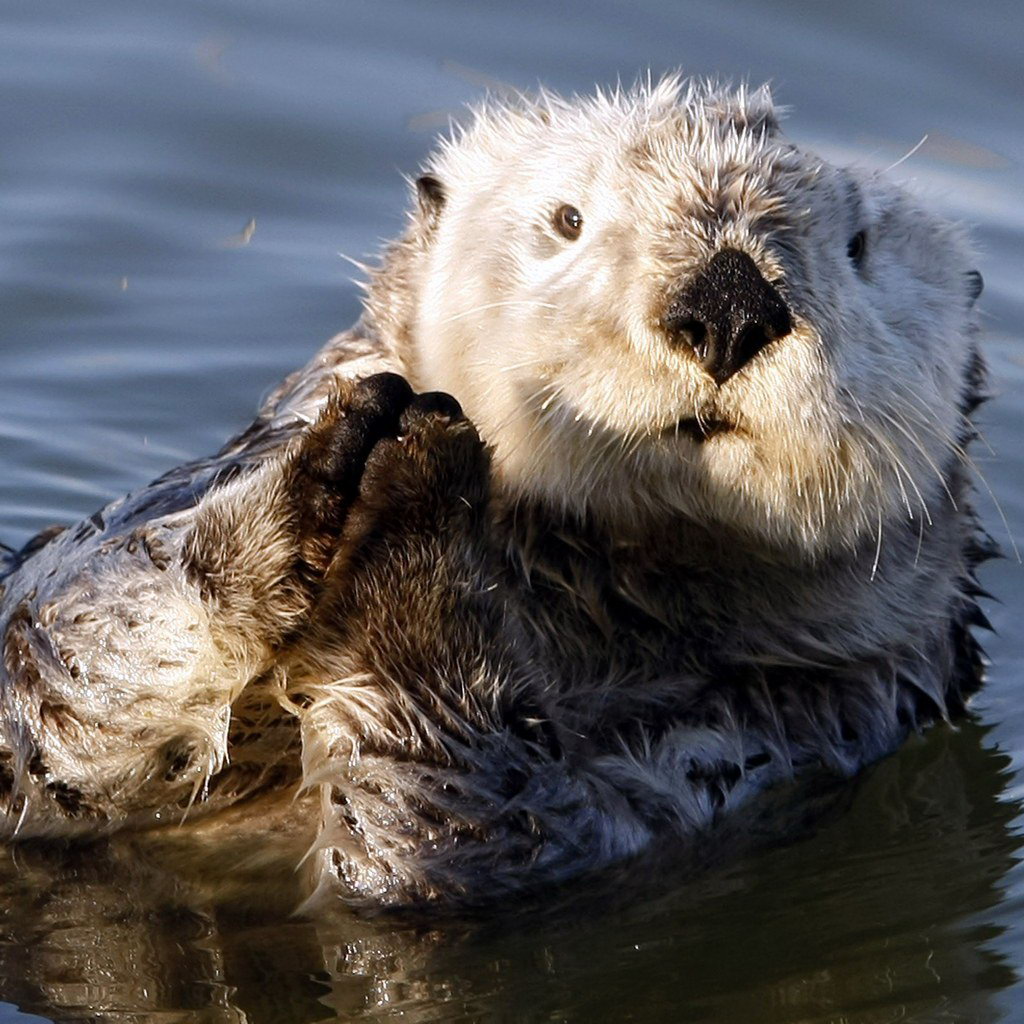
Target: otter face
<point x="653" y="304"/>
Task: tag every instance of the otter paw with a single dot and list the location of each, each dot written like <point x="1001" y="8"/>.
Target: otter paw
<point x="433" y="467"/>
<point x="328" y="467"/>
<point x="415" y="539"/>
<point x="382" y="459"/>
<point x="337" y="446"/>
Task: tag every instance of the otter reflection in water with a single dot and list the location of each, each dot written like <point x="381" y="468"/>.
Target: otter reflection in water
<point x="890" y="905"/>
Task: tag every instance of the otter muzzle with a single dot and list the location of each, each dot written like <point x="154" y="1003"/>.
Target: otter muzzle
<point x="727" y="314"/>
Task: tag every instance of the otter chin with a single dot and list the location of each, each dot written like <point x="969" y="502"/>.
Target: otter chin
<point x="638" y="491"/>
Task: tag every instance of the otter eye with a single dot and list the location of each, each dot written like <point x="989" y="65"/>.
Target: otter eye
<point x="568" y="222"/>
<point x="856" y="247"/>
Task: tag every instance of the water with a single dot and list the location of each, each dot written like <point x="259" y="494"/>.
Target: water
<point x="138" y="139"/>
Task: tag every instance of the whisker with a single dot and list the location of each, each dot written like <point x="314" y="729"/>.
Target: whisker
<point x="906" y="156"/>
<point x="929" y="423"/>
<point x="878" y="547"/>
<point x="496" y="305"/>
<point x="916" y="442"/>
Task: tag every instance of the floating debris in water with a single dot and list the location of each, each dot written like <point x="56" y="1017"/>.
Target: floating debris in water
<point x="244" y="237"/>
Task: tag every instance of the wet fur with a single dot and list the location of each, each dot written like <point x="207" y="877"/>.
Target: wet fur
<point x="499" y="665"/>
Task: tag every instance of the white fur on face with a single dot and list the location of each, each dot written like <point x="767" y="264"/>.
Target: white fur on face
<point x="555" y="348"/>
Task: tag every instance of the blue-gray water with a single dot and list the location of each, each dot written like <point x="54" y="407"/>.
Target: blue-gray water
<point x="137" y="141"/>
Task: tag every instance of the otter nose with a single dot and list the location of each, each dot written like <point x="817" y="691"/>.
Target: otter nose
<point x="727" y="314"/>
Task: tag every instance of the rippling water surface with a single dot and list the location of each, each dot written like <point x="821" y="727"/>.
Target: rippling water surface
<point x="177" y="180"/>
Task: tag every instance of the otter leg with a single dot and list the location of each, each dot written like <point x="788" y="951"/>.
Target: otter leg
<point x="422" y="723"/>
<point x="133" y="657"/>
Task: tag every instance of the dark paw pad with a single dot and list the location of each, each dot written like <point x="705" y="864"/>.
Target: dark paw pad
<point x="382" y="460"/>
<point x="338" y="445"/>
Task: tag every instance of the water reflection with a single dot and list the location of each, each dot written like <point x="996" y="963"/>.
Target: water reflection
<point x="889" y="909"/>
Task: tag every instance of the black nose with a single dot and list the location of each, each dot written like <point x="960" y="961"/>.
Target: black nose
<point x="727" y="314"/>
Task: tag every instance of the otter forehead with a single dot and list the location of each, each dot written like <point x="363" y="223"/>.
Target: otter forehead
<point x="679" y="159"/>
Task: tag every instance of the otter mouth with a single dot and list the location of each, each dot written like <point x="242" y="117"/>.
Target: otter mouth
<point x="698" y="430"/>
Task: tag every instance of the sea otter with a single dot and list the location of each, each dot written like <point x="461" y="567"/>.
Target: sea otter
<point x="638" y="490"/>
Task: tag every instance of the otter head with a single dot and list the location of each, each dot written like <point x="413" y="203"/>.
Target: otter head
<point x="652" y="304"/>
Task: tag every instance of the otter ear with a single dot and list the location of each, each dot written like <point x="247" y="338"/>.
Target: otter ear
<point x="431" y="196"/>
<point x="975" y="286"/>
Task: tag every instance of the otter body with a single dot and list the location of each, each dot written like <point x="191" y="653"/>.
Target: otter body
<point x="698" y="524"/>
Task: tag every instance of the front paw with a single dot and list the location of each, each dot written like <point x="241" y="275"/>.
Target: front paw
<point x="432" y="470"/>
<point x="383" y="461"/>
<point x="328" y="467"/>
<point x="416" y="545"/>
